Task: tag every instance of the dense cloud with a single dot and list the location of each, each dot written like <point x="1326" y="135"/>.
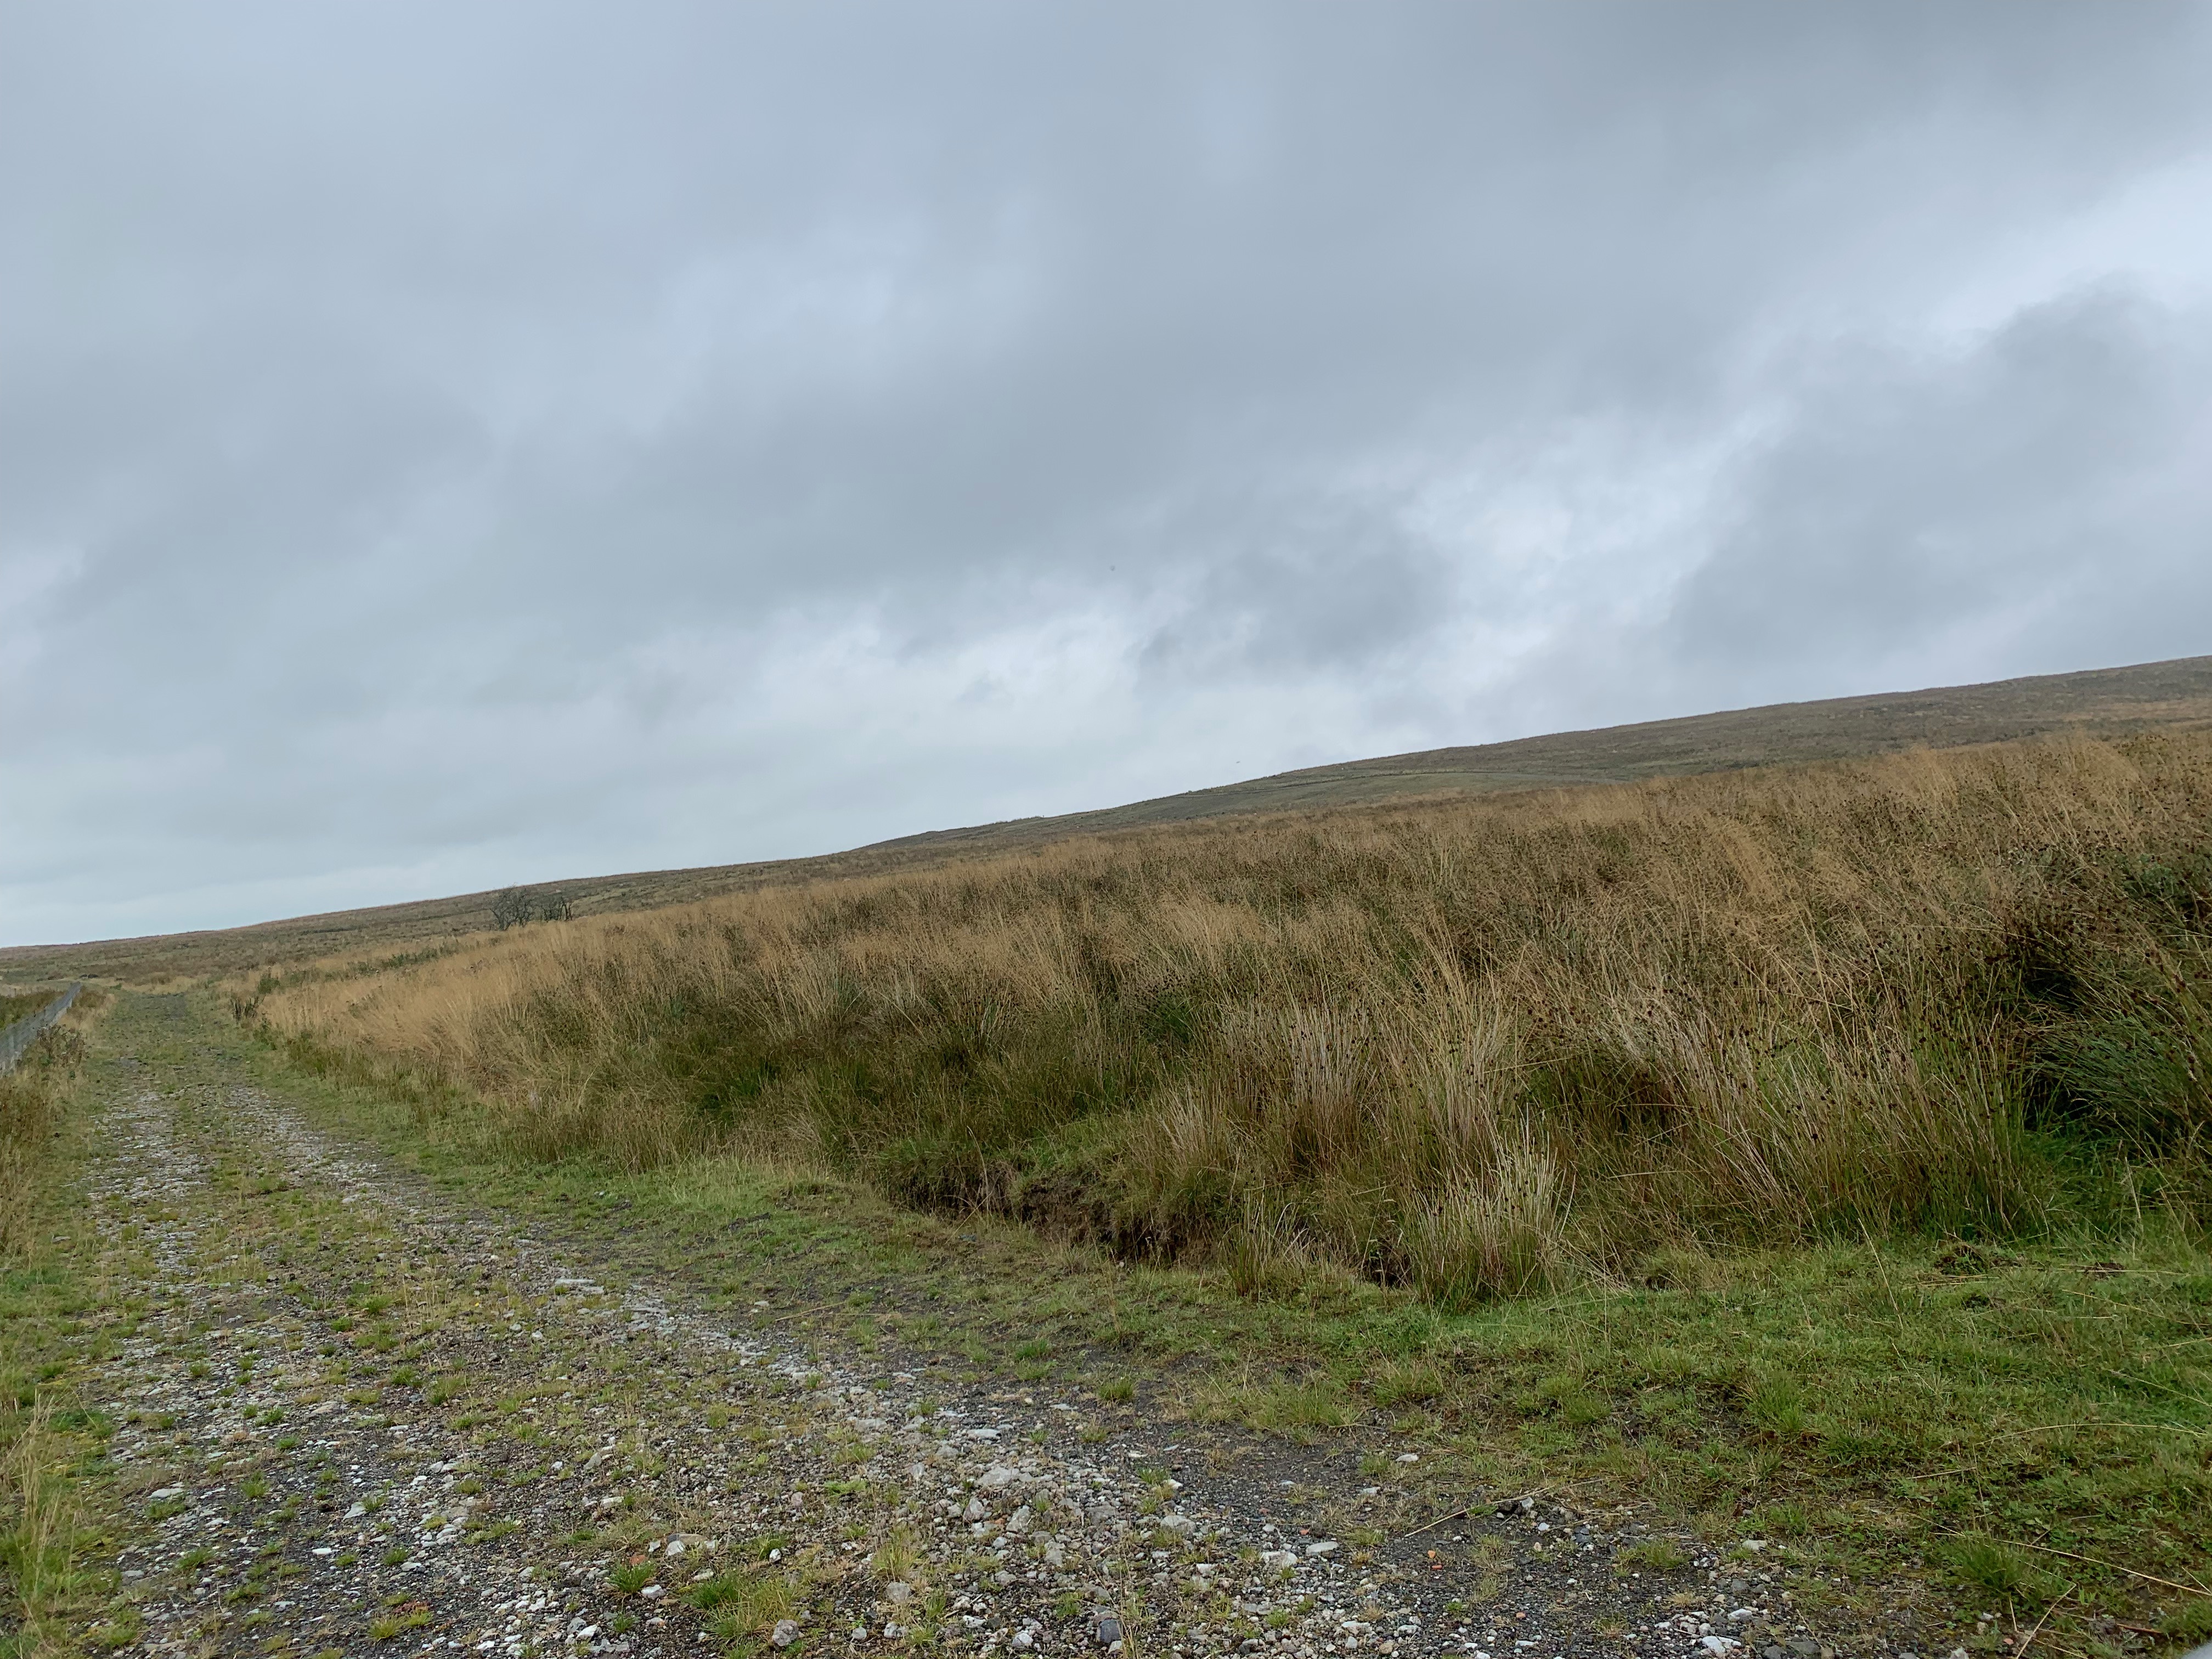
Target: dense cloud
<point x="445" y="445"/>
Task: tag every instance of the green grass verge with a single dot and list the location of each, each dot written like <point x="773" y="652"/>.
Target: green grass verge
<point x="59" y="1590"/>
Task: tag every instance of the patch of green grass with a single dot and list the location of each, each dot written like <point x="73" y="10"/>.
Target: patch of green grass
<point x="1299" y="1407"/>
<point x="1413" y="1380"/>
<point x="2003" y="1571"/>
<point x="749" y="1604"/>
<point x="119" y="1630"/>
<point x="1658" y="1554"/>
<point x="722" y="1590"/>
<point x="385" y="1625"/>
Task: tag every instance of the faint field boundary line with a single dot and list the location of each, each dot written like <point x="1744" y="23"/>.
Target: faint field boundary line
<point x="25" y="1031"/>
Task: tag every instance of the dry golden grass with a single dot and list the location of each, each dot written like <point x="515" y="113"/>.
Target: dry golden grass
<point x="1478" y="1045"/>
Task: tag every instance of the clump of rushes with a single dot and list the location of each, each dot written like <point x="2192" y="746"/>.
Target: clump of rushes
<point x="1483" y="1046"/>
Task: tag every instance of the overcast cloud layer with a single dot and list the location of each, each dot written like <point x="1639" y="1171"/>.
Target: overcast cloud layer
<point x="443" y="446"/>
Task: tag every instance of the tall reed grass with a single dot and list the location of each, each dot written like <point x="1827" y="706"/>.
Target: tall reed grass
<point x="1479" y="1046"/>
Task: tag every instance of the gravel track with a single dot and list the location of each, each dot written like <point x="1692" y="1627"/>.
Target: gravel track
<point x="355" y="1414"/>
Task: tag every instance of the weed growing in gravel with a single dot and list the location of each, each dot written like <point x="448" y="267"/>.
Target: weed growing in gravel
<point x="385" y="1625"/>
<point x="119" y="1630"/>
<point x="898" y="1557"/>
<point x="748" y="1604"/>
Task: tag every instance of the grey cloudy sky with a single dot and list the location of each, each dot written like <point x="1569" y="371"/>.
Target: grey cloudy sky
<point x="443" y="446"/>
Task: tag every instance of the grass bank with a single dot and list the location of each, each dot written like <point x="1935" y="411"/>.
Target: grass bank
<point x="47" y="1437"/>
<point x="1479" y="1048"/>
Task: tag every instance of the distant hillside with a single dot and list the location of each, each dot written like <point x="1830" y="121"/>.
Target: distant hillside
<point x="2100" y="703"/>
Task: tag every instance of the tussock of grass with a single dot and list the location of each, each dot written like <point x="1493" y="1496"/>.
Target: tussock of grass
<point x="1483" y="1047"/>
<point x="746" y="1605"/>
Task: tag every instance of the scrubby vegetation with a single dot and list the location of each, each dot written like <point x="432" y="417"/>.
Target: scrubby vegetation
<point x="1479" y="1047"/>
<point x="27" y="1114"/>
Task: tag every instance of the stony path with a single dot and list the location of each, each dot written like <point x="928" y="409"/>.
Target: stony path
<point x="355" y="1416"/>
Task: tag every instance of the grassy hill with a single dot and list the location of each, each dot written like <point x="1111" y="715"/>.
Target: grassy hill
<point x="1684" y="1072"/>
<point x="2100" y="703"/>
<point x="1819" y="1151"/>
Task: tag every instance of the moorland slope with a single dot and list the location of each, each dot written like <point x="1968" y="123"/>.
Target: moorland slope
<point x="2105" y="703"/>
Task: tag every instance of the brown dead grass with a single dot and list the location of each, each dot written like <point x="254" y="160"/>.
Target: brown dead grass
<point x="1478" y="1045"/>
